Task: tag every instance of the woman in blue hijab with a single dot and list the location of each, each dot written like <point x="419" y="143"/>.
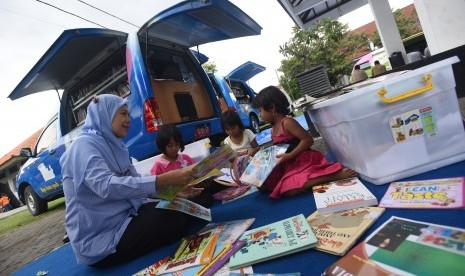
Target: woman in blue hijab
<point x="108" y="219"/>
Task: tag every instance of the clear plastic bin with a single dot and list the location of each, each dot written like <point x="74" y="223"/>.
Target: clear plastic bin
<point x="420" y="130"/>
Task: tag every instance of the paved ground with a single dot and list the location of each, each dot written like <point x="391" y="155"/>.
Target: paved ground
<point x="36" y="239"/>
<point x="31" y="241"/>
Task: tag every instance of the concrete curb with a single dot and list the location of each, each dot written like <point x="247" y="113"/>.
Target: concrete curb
<point x="12" y="212"/>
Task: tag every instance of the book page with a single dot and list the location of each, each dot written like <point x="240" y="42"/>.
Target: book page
<point x="187" y="207"/>
<point x="214" y="160"/>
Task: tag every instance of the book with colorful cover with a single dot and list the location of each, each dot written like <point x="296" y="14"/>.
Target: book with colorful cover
<point x="230" y="193"/>
<point x="206" y="168"/>
<point x="222" y="258"/>
<point x="212" y="174"/>
<point x="238" y="167"/>
<point x="261" y="165"/>
<point x="342" y="195"/>
<point x="194" y="250"/>
<point x="226" y="179"/>
<point x="252" y="190"/>
<point x="406" y="247"/>
<point x="265" y="274"/>
<point x="213" y="161"/>
<point x="338" y="232"/>
<point x="445" y="193"/>
<point x="226" y="243"/>
<point x="153" y="269"/>
<point x="225" y="271"/>
<point x="187" y="207"/>
<point x="274" y="240"/>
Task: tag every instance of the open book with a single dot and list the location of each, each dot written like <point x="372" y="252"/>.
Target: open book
<point x="187" y="207"/>
<point x="261" y="165"/>
<point x="206" y="168"/>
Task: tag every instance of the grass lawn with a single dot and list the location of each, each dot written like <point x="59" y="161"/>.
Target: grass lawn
<point x="17" y="220"/>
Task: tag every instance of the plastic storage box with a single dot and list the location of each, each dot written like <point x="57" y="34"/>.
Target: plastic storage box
<point x="416" y="126"/>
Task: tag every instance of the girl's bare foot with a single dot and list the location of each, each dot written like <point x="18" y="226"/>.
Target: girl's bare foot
<point x="344" y="173"/>
<point x="341" y="174"/>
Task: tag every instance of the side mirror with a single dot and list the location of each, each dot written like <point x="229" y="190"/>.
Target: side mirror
<point x="25" y="152"/>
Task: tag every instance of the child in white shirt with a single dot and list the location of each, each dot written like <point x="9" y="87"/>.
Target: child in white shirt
<point x="239" y="138"/>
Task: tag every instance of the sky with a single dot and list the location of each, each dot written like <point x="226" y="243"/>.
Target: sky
<point x="29" y="27"/>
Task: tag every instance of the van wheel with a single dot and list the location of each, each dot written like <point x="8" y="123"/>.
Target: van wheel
<point x="254" y="124"/>
<point x="35" y="204"/>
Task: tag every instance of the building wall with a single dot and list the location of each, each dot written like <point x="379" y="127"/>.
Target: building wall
<point x="442" y="23"/>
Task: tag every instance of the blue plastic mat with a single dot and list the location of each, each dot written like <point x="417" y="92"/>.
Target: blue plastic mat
<point x="264" y="210"/>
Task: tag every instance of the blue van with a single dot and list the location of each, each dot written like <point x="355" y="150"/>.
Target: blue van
<point x="234" y="93"/>
<point x="153" y="68"/>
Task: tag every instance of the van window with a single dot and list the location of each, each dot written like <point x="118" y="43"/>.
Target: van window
<point x="48" y="137"/>
<point x="177" y="86"/>
<point x="239" y="91"/>
<point x="109" y="77"/>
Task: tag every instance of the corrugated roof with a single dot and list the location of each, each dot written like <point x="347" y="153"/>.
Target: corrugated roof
<point x="28" y="143"/>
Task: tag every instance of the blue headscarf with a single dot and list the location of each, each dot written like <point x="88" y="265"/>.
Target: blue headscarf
<point x="97" y="139"/>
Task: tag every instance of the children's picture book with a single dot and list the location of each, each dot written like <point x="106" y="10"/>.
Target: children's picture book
<point x="274" y="240"/>
<point x="337" y="232"/>
<point x="261" y="165"/>
<point x="231" y="231"/>
<point x="406" y="247"/>
<point x="187" y="207"/>
<point x="265" y="274"/>
<point x="238" y="167"/>
<point x="205" y="169"/>
<point x="252" y="190"/>
<point x="443" y="193"/>
<point x="230" y="193"/>
<point x="221" y="258"/>
<point x="213" y="161"/>
<point x="194" y="250"/>
<point x="342" y="195"/>
<point x="226" y="179"/>
<point x="225" y="271"/>
<point x="153" y="269"/>
<point x="212" y="174"/>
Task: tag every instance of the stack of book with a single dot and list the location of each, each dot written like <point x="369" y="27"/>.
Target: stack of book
<point x="203" y="253"/>
<point x="228" y="247"/>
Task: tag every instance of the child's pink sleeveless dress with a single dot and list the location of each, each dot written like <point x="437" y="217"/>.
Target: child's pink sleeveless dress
<point x="294" y="173"/>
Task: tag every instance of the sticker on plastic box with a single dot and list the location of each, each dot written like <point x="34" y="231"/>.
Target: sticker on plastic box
<point x="413" y="124"/>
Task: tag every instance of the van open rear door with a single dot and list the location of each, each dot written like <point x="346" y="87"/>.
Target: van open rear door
<point x="246" y="71"/>
<point x="193" y="23"/>
<point x="70" y="58"/>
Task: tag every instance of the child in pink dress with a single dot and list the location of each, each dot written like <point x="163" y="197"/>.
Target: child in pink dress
<point x="300" y="168"/>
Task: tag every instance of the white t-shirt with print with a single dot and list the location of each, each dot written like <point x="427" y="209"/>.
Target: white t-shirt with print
<point x="247" y="137"/>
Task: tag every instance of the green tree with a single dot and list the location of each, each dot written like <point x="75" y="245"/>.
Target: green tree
<point x="209" y="67"/>
<point x="328" y="43"/>
<point x="407" y="24"/>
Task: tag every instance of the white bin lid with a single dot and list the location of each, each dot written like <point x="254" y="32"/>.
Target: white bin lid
<point x="382" y="81"/>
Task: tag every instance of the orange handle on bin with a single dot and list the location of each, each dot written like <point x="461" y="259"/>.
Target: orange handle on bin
<point x="429" y="85"/>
